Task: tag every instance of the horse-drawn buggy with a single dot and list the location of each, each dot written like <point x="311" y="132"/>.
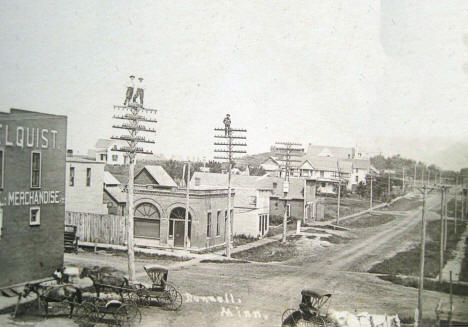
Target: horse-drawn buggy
<point x="110" y="311"/>
<point x="161" y="291"/>
<point x="310" y="311"/>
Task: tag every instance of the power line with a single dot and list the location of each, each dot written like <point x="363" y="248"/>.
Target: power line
<point x="229" y="147"/>
<point x="286" y="152"/>
<point x="137" y="121"/>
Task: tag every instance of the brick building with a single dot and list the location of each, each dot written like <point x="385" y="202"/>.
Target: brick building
<point x="159" y="217"/>
<point x="32" y="189"/>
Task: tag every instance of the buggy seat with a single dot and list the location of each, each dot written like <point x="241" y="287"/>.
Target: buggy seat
<point x="158" y="275"/>
<point x="313" y="300"/>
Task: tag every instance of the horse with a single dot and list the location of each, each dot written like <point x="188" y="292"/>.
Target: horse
<point x="347" y="319"/>
<point x="102" y="281"/>
<point x="54" y="293"/>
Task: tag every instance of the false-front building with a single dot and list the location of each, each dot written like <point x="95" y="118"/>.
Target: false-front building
<point x="32" y="190"/>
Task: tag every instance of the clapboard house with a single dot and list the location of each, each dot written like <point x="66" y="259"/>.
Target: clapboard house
<point x="32" y="190"/>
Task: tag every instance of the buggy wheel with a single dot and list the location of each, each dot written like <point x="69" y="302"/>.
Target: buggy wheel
<point x="127" y="314"/>
<point x="87" y="312"/>
<point x="172" y="298"/>
<point x="142" y="294"/>
<point x="291" y="317"/>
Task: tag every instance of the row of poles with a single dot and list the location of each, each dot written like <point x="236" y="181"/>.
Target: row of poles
<point x="136" y="120"/>
<point x="444" y="190"/>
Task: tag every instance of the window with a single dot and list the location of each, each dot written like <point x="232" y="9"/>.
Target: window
<point x="88" y="176"/>
<point x="218" y="224"/>
<point x="275" y="185"/>
<point x="103" y="157"/>
<point x="322" y="173"/>
<point x="34" y="216"/>
<point x="1" y="171"/>
<point x="115" y="157"/>
<point x="197" y="181"/>
<point x="357" y="179"/>
<point x="253" y="200"/>
<point x="35" y="169"/>
<point x="72" y="176"/>
<point x="288" y="210"/>
<point x="208" y="225"/>
<point x="324" y="185"/>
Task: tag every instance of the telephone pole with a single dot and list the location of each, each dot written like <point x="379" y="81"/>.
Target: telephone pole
<point x="423" y="190"/>
<point x="229" y="148"/>
<point x="339" y="193"/>
<point x="186" y="177"/>
<point x="371" y="195"/>
<point x="137" y="120"/>
<point x="286" y="153"/>
<point x="415" y="175"/>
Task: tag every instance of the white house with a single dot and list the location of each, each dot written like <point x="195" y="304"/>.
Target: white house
<point x="271" y="166"/>
<point x="251" y="200"/>
<point x="103" y="152"/>
<point x="84" y="185"/>
<point x="328" y="171"/>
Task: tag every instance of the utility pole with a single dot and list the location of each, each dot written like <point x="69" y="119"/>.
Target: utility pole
<point x="415" y="175"/>
<point x="423" y="190"/>
<point x="445" y="220"/>
<point x="403" y="179"/>
<point x="136" y="120"/>
<point x="229" y="148"/>
<point x="286" y="152"/>
<point x="441" y="250"/>
<point x="187" y="202"/>
<point x="371" y="195"/>
<point x="388" y="191"/>
<point x="339" y="193"/>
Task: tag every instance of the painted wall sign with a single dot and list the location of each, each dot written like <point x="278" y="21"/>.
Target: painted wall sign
<point x="25" y="198"/>
<point x="28" y="137"/>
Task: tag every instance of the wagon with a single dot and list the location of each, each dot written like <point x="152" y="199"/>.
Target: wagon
<point x="110" y="312"/>
<point x="310" y="312"/>
<point x="161" y="291"/>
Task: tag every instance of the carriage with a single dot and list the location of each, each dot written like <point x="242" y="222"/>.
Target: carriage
<point x="311" y="310"/>
<point x="161" y="291"/>
<point x="110" y="312"/>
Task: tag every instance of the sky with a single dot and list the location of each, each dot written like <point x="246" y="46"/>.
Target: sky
<point x="388" y="76"/>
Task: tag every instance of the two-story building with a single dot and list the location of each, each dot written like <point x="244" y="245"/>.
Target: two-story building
<point x="85" y="182"/>
<point x="327" y="171"/>
<point x="32" y="190"/>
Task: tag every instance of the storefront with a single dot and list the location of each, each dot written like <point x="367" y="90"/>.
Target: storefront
<point x="32" y="192"/>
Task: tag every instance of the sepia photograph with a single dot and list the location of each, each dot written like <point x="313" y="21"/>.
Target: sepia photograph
<point x="234" y="163"/>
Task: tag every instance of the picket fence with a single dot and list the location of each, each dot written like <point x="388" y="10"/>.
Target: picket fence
<point x="96" y="228"/>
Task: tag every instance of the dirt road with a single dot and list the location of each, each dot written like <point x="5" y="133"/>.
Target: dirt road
<point x="256" y="294"/>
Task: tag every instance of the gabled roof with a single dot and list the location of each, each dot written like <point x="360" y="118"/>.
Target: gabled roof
<point x="330" y="151"/>
<point x="109" y="179"/>
<point x="268" y="159"/>
<point x="325" y="164"/>
<point x="116" y="193"/>
<point x="159" y="175"/>
<point x="361" y="163"/>
<point x="103" y="143"/>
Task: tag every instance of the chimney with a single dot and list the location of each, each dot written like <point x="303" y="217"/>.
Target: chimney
<point x="69" y="153"/>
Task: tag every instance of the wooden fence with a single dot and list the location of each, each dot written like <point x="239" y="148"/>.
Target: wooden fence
<point x="96" y="228"/>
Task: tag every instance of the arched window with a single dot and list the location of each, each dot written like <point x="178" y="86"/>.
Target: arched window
<point x="147" y="221"/>
<point x="177" y="225"/>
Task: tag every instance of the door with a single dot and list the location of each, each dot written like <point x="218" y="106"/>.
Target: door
<point x="179" y="233"/>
